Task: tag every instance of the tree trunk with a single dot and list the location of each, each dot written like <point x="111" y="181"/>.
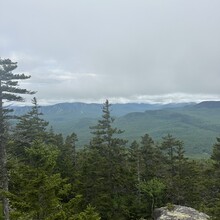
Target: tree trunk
<point x="3" y="162"/>
<point x="4" y="180"/>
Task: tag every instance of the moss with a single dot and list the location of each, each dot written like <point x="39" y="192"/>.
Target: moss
<point x="170" y="206"/>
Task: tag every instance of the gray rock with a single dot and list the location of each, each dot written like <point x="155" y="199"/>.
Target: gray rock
<point x="179" y="213"/>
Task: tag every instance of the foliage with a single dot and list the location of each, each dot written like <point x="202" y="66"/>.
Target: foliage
<point x="154" y="190"/>
<point x="30" y="127"/>
<point x="67" y="157"/>
<point x="88" y="214"/>
<point x="9" y="91"/>
<point x="103" y="173"/>
<point x="39" y="188"/>
<point x="51" y="179"/>
<point x="197" y="126"/>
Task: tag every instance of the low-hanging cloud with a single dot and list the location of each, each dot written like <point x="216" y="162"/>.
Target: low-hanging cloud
<point x="124" y="50"/>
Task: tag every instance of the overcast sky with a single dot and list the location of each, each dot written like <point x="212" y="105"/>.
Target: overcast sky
<point x="123" y="50"/>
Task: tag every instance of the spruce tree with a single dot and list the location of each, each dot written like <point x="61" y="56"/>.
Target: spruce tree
<point x="67" y="157"/>
<point x="151" y="158"/>
<point x="214" y="189"/>
<point x="216" y="153"/>
<point x="106" y="170"/>
<point x="177" y="166"/>
<point x="36" y="188"/>
<point x="30" y="127"/>
<point x="9" y="91"/>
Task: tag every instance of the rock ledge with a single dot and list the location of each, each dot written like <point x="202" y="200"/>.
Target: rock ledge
<point x="179" y="213"/>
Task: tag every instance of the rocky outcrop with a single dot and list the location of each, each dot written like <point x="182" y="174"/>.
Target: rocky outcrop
<point x="177" y="212"/>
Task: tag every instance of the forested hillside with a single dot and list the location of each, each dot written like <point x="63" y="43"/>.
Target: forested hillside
<point x="196" y="124"/>
<point x="107" y="179"/>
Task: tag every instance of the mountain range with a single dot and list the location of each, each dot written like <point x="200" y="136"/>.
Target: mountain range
<point x="197" y="125"/>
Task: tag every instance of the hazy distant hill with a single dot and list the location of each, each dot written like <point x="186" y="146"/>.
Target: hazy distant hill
<point x="197" y="124"/>
<point x="197" y="127"/>
<point x="66" y="117"/>
<point x="79" y="109"/>
<point x="209" y="104"/>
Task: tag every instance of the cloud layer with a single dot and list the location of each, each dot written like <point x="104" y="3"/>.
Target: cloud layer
<point x="119" y="49"/>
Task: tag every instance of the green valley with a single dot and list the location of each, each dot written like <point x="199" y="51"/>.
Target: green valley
<point x="196" y="124"/>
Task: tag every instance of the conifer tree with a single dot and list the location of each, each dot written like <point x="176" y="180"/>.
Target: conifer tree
<point x="176" y="162"/>
<point x="106" y="169"/>
<point x="216" y="153"/>
<point x="9" y="91"/>
<point x="214" y="189"/>
<point x="170" y="145"/>
<point x="67" y="156"/>
<point x="150" y="158"/>
<point x="146" y="164"/>
<point x="104" y="138"/>
<point x="36" y="188"/>
<point x="31" y="126"/>
<point x="107" y="142"/>
<point x="135" y="162"/>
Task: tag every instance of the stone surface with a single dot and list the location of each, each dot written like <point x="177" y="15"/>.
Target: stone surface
<point x="179" y="213"/>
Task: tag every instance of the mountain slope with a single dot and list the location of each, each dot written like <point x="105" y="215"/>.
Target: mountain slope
<point x="197" y="125"/>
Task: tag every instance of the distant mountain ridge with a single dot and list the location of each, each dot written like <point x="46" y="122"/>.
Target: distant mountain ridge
<point x="94" y="109"/>
<point x="197" y="125"/>
<point x="209" y="104"/>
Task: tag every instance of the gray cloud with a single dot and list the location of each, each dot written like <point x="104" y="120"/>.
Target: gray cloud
<point x="120" y="49"/>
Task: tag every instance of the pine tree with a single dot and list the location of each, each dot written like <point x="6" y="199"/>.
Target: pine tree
<point x="169" y="147"/>
<point x="151" y="158"/>
<point x="177" y="169"/>
<point x="137" y="204"/>
<point x="214" y="189"/>
<point x="9" y="91"/>
<point x="31" y="126"/>
<point x="104" y="134"/>
<point x="67" y="157"/>
<point x="154" y="191"/>
<point x="135" y="162"/>
<point x="107" y="143"/>
<point x="105" y="168"/>
<point x="36" y="188"/>
<point x="216" y="153"/>
<point x="146" y="164"/>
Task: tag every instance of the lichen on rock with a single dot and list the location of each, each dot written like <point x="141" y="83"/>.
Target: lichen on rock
<point x="179" y="213"/>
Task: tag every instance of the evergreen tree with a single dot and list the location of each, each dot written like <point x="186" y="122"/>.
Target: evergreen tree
<point x="36" y="189"/>
<point x="104" y="138"/>
<point x="214" y="188"/>
<point x="178" y="173"/>
<point x="146" y="164"/>
<point x="216" y="153"/>
<point x="105" y="169"/>
<point x="9" y="91"/>
<point x="31" y="127"/>
<point x="88" y="214"/>
<point x="154" y="191"/>
<point x="138" y="203"/>
<point x="151" y="158"/>
<point x="67" y="157"/>
<point x="40" y="166"/>
<point x="135" y="162"/>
